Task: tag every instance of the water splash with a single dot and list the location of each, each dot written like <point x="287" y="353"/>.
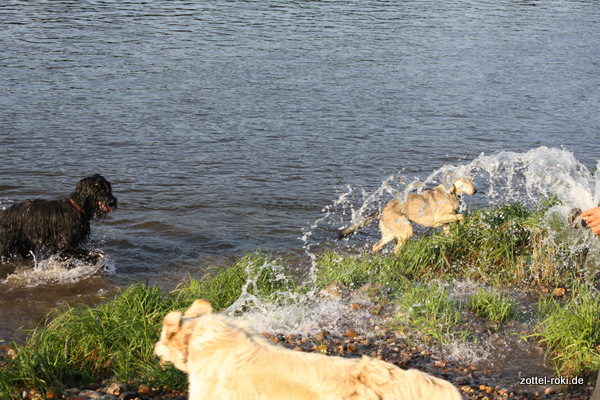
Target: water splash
<point x="534" y="175"/>
<point x="505" y="177"/>
<point x="527" y="178"/>
<point x="309" y="317"/>
<point x="53" y="269"/>
<point x="287" y="308"/>
<point x="507" y="356"/>
<point x="250" y="294"/>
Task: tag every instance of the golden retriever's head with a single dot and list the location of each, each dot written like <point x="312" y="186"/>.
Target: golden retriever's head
<point x="175" y="335"/>
<point x="463" y="186"/>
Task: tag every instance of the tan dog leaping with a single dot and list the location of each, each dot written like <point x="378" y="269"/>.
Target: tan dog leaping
<point x="226" y="360"/>
<point x="432" y="208"/>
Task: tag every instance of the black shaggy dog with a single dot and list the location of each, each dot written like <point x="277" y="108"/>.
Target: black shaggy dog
<point x="58" y="226"/>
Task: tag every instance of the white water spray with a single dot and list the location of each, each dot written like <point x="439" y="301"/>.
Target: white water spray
<point x="506" y="177"/>
<point x="57" y="270"/>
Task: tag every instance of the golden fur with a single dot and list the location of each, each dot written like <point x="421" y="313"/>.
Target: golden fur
<point x="433" y="208"/>
<point x="226" y="360"/>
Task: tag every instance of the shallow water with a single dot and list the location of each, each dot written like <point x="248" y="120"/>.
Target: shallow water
<point x="227" y="126"/>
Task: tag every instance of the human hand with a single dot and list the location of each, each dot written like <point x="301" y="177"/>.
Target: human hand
<point x="592" y="218"/>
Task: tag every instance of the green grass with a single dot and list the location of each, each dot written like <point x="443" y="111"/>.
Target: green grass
<point x="355" y="272"/>
<point x="571" y="331"/>
<point x="80" y="343"/>
<point x="494" y="247"/>
<point x="117" y="337"/>
<point x="503" y="245"/>
<point x="428" y="311"/>
<point x="493" y="305"/>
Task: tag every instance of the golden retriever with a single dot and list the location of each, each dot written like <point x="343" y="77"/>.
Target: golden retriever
<point x="226" y="360"/>
<point x="432" y="208"/>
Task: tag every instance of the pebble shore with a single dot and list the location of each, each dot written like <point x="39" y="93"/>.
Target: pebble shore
<point x="374" y="341"/>
<point x="471" y="382"/>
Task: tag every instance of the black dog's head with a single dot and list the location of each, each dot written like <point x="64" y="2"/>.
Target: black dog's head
<point x="94" y="195"/>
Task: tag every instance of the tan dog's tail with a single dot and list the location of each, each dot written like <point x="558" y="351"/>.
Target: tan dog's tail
<point x="354" y="227"/>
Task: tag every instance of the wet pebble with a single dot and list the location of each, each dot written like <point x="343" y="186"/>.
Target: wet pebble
<point x="115" y="388"/>
<point x="358" y="306"/>
<point x="144" y="389"/>
<point x="351" y="333"/>
<point x="334" y="291"/>
<point x="115" y="391"/>
<point x="129" y="396"/>
<point x="321" y="336"/>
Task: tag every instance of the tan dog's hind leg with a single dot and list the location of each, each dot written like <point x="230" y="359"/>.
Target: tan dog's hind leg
<point x="393" y="227"/>
<point x="385" y="239"/>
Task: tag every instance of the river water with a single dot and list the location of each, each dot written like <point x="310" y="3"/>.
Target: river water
<point x="228" y="126"/>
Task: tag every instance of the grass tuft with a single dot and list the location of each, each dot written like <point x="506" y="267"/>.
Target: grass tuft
<point x="428" y="310"/>
<point x="571" y="331"/>
<point x="493" y="305"/>
<point x="80" y="343"/>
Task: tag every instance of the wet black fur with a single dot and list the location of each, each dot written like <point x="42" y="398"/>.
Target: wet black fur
<point x="57" y="226"/>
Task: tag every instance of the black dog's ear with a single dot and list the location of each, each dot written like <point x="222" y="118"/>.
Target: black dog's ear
<point x="172" y="322"/>
<point x="198" y="308"/>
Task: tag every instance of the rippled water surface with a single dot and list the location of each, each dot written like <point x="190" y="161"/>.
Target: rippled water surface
<point x="227" y="126"/>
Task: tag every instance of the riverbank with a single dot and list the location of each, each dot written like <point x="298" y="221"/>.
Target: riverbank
<point x="472" y="382"/>
<point x="390" y="345"/>
<point x="495" y="281"/>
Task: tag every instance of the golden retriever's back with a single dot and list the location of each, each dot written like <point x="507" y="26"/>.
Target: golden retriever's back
<point x="395" y="383"/>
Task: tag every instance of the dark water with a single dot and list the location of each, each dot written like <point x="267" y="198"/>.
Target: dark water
<point x="227" y="126"/>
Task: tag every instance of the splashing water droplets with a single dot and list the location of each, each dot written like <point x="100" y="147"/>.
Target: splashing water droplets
<point x="59" y="270"/>
<point x="506" y="177"/>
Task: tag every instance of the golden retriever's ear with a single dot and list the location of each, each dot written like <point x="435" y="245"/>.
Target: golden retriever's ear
<point x="198" y="308"/>
<point x="172" y="321"/>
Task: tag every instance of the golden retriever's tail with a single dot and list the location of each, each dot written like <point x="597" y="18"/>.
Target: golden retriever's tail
<point x="354" y="227"/>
